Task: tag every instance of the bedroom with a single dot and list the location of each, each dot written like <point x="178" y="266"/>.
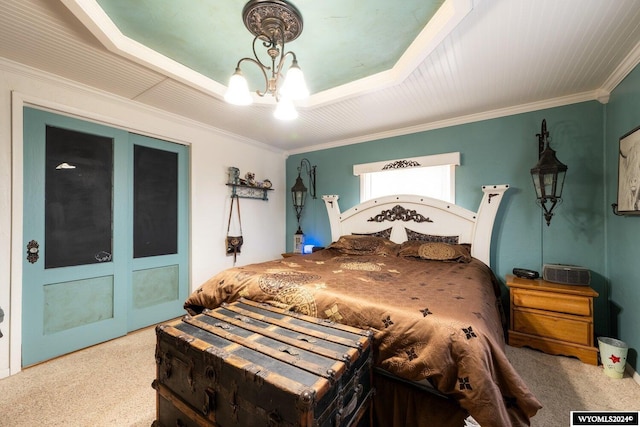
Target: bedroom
<point x="497" y="149"/>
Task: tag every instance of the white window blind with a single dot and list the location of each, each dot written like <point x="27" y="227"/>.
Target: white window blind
<point x="431" y="176"/>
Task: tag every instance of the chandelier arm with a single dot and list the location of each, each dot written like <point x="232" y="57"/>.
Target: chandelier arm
<point x="276" y="71"/>
<point x="255" y="54"/>
<point x="281" y="43"/>
<point x="275" y="75"/>
<point x="262" y="68"/>
<point x="271" y="44"/>
<point x="295" y="58"/>
<point x="282" y="58"/>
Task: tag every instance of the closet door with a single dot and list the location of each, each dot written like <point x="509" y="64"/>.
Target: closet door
<point x="105" y="233"/>
<point x="159" y="200"/>
<point x="76" y="266"/>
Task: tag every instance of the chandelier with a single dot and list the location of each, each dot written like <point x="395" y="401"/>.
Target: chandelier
<point x="273" y="23"/>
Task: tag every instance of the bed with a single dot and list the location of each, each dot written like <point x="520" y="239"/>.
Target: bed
<point x="415" y="271"/>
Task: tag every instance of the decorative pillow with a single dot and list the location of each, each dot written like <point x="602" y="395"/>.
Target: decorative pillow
<point x="436" y="251"/>
<point x="365" y="245"/>
<point x="414" y="235"/>
<point x="385" y="234"/>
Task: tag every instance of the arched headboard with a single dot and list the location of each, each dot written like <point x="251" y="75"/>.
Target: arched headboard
<point x="419" y="214"/>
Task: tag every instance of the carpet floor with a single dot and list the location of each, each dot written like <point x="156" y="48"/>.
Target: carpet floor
<point x="110" y="385"/>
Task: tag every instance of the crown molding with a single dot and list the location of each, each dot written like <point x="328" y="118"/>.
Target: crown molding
<point x="627" y="65"/>
<point x="471" y="118"/>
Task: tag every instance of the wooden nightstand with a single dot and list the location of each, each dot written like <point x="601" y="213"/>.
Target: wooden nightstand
<point x="554" y="318"/>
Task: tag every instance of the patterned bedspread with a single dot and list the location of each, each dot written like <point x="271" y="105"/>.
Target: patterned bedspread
<point x="432" y="320"/>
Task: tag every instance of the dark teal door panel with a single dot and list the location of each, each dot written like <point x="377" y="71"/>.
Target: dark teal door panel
<point x="82" y="282"/>
<point x="71" y="294"/>
<point x="160" y="200"/>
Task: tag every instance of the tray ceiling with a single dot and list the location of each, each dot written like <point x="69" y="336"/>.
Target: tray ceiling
<point x="341" y="41"/>
<point x="373" y="73"/>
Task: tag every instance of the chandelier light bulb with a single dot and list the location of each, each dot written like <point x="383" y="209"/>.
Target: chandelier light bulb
<point x="238" y="91"/>
<point x="285" y="110"/>
<point x="294" y="86"/>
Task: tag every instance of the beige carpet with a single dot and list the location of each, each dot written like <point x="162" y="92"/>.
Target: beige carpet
<point x="564" y="384"/>
<point x="105" y="385"/>
<point x="110" y="385"/>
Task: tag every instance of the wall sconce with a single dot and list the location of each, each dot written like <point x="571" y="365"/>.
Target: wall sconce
<point x="298" y="194"/>
<point x="548" y="174"/>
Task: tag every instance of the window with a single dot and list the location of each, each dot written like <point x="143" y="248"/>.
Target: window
<point x="432" y="176"/>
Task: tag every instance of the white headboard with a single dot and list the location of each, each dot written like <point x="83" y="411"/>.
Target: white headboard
<point x="422" y="214"/>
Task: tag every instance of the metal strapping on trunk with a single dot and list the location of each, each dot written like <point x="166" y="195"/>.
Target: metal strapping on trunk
<point x="306" y="335"/>
<point x="329" y="374"/>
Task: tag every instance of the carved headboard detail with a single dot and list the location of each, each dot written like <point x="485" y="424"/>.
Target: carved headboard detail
<point x="423" y="215"/>
<point x="398" y="213"/>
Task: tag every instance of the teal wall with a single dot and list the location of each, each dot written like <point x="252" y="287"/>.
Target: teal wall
<point x="585" y="137"/>
<point x="623" y="115"/>
<point x="497" y="151"/>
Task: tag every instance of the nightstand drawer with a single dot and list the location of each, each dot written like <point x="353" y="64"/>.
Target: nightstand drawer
<point x="559" y="328"/>
<point x="569" y="304"/>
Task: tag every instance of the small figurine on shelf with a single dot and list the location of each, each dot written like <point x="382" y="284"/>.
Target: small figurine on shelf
<point x="234" y="175"/>
<point x="251" y="178"/>
<point x="266" y="183"/>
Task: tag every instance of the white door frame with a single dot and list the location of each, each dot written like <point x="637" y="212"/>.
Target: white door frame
<point x="17" y="252"/>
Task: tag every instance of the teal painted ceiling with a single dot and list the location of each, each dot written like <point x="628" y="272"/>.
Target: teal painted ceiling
<point x="342" y="40"/>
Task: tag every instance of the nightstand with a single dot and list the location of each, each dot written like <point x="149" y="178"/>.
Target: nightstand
<point x="554" y="318"/>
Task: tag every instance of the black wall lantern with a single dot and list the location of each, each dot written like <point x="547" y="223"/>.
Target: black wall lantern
<point x="548" y="175"/>
<point x="299" y="191"/>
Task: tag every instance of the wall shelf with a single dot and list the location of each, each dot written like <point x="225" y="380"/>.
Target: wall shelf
<point x="249" y="191"/>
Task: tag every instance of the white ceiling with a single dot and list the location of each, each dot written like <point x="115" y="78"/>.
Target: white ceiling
<point x="488" y="58"/>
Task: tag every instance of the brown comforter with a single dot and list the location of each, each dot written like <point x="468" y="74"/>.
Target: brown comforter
<point x="433" y="320"/>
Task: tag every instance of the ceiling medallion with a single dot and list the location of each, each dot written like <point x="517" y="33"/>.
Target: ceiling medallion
<point x="267" y="16"/>
<point x="274" y="23"/>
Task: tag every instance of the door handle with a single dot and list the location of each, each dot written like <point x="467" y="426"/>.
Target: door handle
<point x="33" y="251"/>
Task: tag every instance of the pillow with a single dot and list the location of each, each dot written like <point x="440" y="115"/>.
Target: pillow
<point x="365" y="245"/>
<point x="385" y="234"/>
<point x="436" y="251"/>
<point x="414" y="235"/>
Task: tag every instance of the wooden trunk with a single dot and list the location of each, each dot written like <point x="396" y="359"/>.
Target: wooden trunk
<point x="250" y="364"/>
